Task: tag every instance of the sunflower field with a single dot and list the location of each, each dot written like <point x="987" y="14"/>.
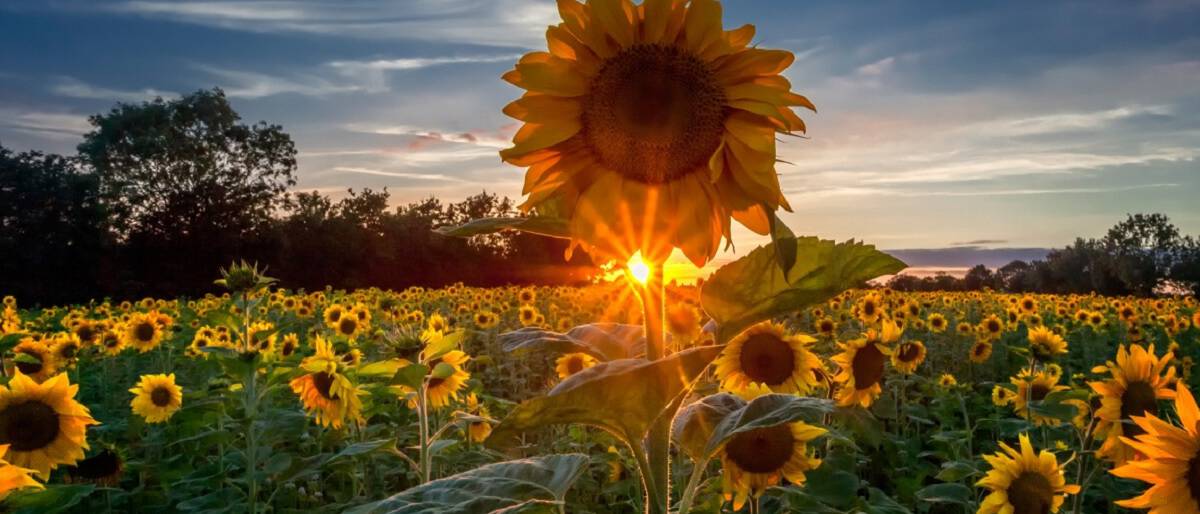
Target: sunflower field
<point x="782" y="382"/>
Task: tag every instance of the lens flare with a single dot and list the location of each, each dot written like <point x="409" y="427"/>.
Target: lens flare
<point x="638" y="268"/>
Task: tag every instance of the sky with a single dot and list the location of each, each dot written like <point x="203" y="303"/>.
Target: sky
<point x="960" y="132"/>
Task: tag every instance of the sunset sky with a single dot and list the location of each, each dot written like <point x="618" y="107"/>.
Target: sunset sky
<point x="953" y="127"/>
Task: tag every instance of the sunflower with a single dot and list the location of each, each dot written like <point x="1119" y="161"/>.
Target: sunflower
<point x="947" y="380"/>
<point x="143" y="332"/>
<point x="981" y="351"/>
<point x="1024" y="482"/>
<point x="1172" y="459"/>
<point x="42" y="423"/>
<point x="104" y="469"/>
<point x="1137" y="382"/>
<point x="289" y="345"/>
<point x="937" y="323"/>
<point x="572" y="363"/>
<point x="870" y="308"/>
<point x="111" y="343"/>
<point x="1034" y="387"/>
<point x="156" y="398"/>
<point x="1045" y="344"/>
<point x="827" y="327"/>
<point x="333" y="314"/>
<point x="648" y="126"/>
<point x="34" y="359"/>
<point x="326" y="394"/>
<point x="478" y="429"/>
<point x="908" y="356"/>
<point x="991" y="327"/>
<point x="13" y="477"/>
<point x="486" y="319"/>
<point x="754" y="460"/>
<point x="441" y="390"/>
<point x="861" y="376"/>
<point x="528" y="315"/>
<point x="766" y="354"/>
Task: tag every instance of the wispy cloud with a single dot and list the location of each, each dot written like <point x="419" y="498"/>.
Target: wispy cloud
<point x="74" y="88"/>
<point x="372" y="74"/>
<point x="488" y="139"/>
<point x="398" y="174"/>
<point x="250" y="84"/>
<point x="519" y="23"/>
<point x="1066" y="122"/>
<point x="867" y="191"/>
<point x="46" y="124"/>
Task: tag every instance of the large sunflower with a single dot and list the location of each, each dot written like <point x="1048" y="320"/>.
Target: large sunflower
<point x="1138" y="382"/>
<point x="326" y="394"/>
<point x="648" y="126"/>
<point x="1024" y="482"/>
<point x="13" y="477"/>
<point x="157" y="398"/>
<point x="766" y="354"/>
<point x="1172" y="463"/>
<point x="754" y="460"/>
<point x="42" y="423"/>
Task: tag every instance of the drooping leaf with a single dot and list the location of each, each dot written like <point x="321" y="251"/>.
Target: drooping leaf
<point x="946" y="493"/>
<point x="410" y="375"/>
<point x="694" y="424"/>
<point x="766" y="411"/>
<point x="541" y="225"/>
<point x="381" y="368"/>
<point x="754" y="288"/>
<point x="785" y="254"/>
<point x="604" y="341"/>
<point x="623" y="396"/>
<point x="55" y="498"/>
<point x="530" y="485"/>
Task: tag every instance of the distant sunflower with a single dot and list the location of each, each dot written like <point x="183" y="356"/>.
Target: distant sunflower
<point x="477" y="430"/>
<point x="288" y="346"/>
<point x="754" y="460"/>
<point x="333" y="314"/>
<point x="991" y="327"/>
<point x="766" y="354"/>
<point x="1034" y="387"/>
<point x="1138" y="380"/>
<point x="870" y="308"/>
<point x="486" y="319"/>
<point x="1024" y="482"/>
<point x="42" y="423"/>
<point x="861" y="376"/>
<point x="111" y="343"/>
<point x="143" y="332"/>
<point x="648" y="126"/>
<point x="1045" y="344"/>
<point x="908" y="356"/>
<point x="528" y="315"/>
<point x="947" y="380"/>
<point x="34" y="359"/>
<point x="827" y="327"/>
<point x="572" y="363"/>
<point x="441" y="390"/>
<point x="980" y="352"/>
<point x="156" y="398"/>
<point x="1172" y="460"/>
<point x="13" y="478"/>
<point x="104" y="469"/>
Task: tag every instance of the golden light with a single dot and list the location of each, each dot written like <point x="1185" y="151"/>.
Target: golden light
<point x="638" y="268"/>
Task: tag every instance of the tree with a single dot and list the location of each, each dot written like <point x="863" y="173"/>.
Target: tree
<point x="53" y="229"/>
<point x="1142" y="250"/>
<point x="192" y="185"/>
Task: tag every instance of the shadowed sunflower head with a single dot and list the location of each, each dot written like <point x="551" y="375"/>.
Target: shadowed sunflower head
<point x="572" y="363"/>
<point x="754" y="460"/>
<point x="766" y="354"/>
<point x="1172" y="459"/>
<point x="1024" y="481"/>
<point x="648" y="126"/>
<point x="1138" y="381"/>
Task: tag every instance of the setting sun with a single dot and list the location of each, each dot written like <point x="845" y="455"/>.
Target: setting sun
<point x="638" y="268"/>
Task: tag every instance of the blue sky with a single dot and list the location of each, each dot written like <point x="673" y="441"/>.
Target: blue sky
<point x="951" y="124"/>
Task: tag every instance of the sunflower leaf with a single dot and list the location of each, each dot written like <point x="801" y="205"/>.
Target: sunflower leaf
<point x="754" y="288"/>
<point x="784" y="253"/>
<point x="55" y="498"/>
<point x="410" y="375"/>
<point x="604" y="341"/>
<point x="766" y="411"/>
<point x="694" y="425"/>
<point x="538" y="484"/>
<point x="541" y="225"/>
<point x="623" y="397"/>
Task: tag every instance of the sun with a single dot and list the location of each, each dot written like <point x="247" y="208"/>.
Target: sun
<point x="638" y="269"/>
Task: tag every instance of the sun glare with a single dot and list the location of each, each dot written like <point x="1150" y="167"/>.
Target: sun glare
<point x="638" y="268"/>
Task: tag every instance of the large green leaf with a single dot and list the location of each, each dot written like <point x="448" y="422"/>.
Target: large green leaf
<point x="55" y="498"/>
<point x="766" y="411"/>
<point x="755" y="287"/>
<point x="541" y="225"/>
<point x="604" y="341"/>
<point x="623" y="396"/>
<point x="694" y="424"/>
<point x="529" y="485"/>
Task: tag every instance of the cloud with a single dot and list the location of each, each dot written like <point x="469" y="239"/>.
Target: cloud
<point x="980" y="242"/>
<point x="487" y="139"/>
<point x="74" y="88"/>
<point x="398" y="174"/>
<point x="862" y="191"/>
<point x="250" y="84"/>
<point x="46" y="124"/>
<point x="372" y="74"/>
<point x="520" y="23"/>
<point x="1067" y="122"/>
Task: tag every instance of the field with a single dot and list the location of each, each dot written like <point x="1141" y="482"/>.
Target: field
<point x="283" y="401"/>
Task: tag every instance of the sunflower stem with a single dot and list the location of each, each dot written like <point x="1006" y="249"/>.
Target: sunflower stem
<point x="689" y="492"/>
<point x="657" y="446"/>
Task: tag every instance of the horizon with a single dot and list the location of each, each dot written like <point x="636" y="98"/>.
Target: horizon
<point x="995" y="131"/>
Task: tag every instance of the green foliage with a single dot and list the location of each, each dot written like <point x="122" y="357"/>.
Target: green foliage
<point x="604" y="341"/>
<point x="754" y="288"/>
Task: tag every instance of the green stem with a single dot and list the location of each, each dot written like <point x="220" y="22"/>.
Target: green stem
<point x="689" y="492"/>
<point x="657" y="475"/>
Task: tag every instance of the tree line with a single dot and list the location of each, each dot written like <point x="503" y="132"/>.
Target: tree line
<point x="1143" y="255"/>
<point x="161" y="193"/>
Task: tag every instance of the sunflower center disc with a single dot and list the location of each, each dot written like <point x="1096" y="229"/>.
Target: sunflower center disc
<point x="575" y="365"/>
<point x="30" y="368"/>
<point x="767" y="359"/>
<point x="160" y="397"/>
<point x="101" y="465"/>
<point x="1137" y="400"/>
<point x="323" y="382"/>
<point x="144" y="332"/>
<point x="28" y="426"/>
<point x="868" y="366"/>
<point x="654" y="113"/>
<point x="764" y="450"/>
<point x="1038" y="392"/>
<point x="347" y="326"/>
<point x="1031" y="493"/>
<point x="909" y="352"/>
